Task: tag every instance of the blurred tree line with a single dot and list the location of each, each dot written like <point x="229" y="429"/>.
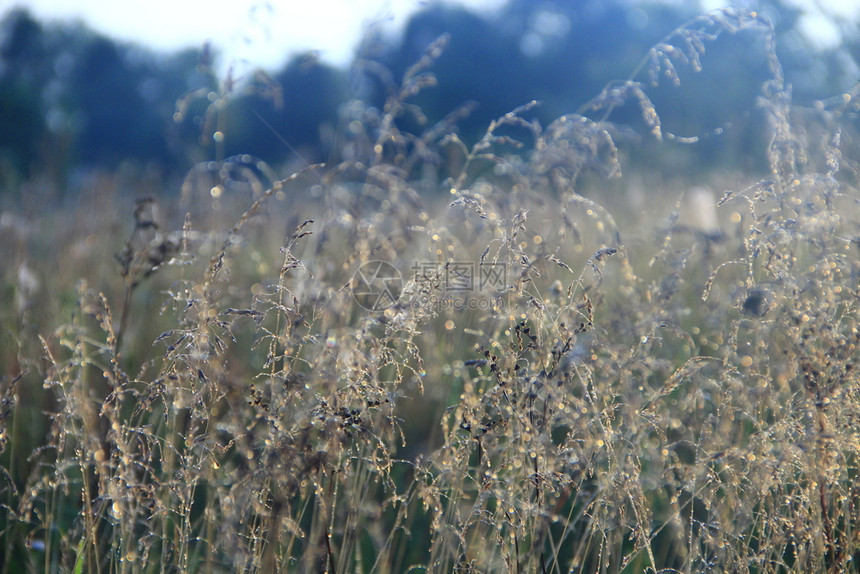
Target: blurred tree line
<point x="71" y="98"/>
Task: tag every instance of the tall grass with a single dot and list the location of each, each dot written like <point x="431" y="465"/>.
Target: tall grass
<point x="673" y="393"/>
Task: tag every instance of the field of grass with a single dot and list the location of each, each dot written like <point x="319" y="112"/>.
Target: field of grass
<point x="428" y="356"/>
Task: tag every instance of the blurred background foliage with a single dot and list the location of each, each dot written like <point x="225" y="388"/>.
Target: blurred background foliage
<point x="72" y="101"/>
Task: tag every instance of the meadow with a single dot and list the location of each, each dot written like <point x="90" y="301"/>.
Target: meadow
<point x="427" y="355"/>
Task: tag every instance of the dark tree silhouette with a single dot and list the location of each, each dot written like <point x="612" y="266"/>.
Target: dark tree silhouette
<point x="71" y="97"/>
<point x="22" y="78"/>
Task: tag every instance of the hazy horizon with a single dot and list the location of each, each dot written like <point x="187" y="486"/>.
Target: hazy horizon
<point x="268" y="34"/>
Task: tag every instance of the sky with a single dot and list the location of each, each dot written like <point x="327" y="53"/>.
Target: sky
<point x="264" y="33"/>
<point x="260" y="33"/>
